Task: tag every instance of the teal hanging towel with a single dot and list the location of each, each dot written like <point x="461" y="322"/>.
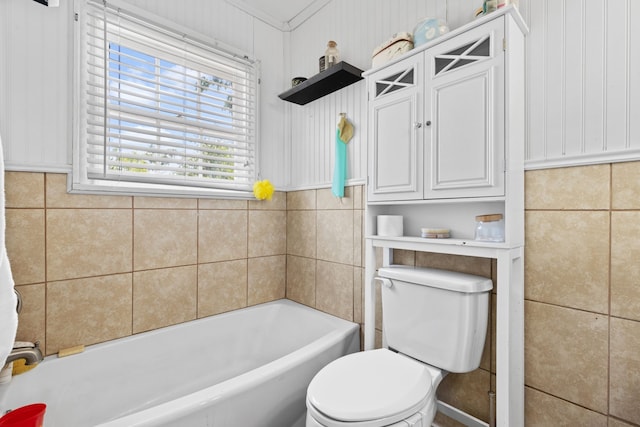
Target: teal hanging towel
<point x="344" y="132"/>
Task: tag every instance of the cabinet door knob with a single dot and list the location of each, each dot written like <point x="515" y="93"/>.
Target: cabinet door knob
<point x="417" y="125"/>
<point x="428" y="123"/>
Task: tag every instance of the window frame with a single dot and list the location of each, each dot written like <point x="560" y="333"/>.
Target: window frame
<point x="82" y="181"/>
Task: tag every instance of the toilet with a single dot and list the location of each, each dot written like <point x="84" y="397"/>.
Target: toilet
<point x="435" y="322"/>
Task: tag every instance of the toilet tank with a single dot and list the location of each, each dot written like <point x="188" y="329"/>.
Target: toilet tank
<point x="436" y="316"/>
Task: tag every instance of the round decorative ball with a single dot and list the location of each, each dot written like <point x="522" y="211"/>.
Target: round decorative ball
<point x="428" y="29"/>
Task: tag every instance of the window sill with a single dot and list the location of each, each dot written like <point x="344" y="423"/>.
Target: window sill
<point x="113" y="188"/>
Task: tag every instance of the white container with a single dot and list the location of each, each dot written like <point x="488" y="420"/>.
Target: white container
<point x="390" y="225"/>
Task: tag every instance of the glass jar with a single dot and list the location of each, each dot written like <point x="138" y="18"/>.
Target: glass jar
<point x="489" y="228"/>
<point x="489" y="6"/>
<point x="331" y="54"/>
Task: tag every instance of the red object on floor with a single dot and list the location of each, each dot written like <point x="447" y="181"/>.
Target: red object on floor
<point x="25" y="416"/>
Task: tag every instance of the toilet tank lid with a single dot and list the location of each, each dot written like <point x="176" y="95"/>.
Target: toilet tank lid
<point x="435" y="278"/>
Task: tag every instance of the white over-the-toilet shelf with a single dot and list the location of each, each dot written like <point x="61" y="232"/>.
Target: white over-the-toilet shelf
<point x="428" y="194"/>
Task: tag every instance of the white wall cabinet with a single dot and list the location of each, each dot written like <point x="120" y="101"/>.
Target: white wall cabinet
<point x="396" y="97"/>
<point x="437" y="120"/>
<point x="446" y="143"/>
<point x="465" y="105"/>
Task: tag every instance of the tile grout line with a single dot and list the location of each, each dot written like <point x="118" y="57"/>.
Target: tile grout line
<point x="46" y="273"/>
<point x="197" y="258"/>
<point x="286" y="245"/>
<point x="611" y="189"/>
<point x="246" y="302"/>
<point x="315" y="244"/>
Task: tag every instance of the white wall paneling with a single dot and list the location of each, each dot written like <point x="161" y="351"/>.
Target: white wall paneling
<point x="216" y="19"/>
<point x="35" y="91"/>
<point x="583" y="78"/>
<point x="268" y="47"/>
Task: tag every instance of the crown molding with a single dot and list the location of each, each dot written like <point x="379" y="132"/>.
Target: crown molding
<point x="300" y="18"/>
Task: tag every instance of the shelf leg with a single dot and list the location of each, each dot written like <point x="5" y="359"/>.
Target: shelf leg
<point x="369" y="297"/>
<point x="510" y="339"/>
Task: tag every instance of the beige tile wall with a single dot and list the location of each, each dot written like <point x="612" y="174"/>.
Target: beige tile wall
<point x="582" y="291"/>
<point x="582" y="276"/>
<point x="325" y="251"/>
<point x="95" y="268"/>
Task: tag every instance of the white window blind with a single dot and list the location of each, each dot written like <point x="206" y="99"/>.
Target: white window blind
<point x="158" y="106"/>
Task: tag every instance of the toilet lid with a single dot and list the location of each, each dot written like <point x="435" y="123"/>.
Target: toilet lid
<point x="370" y="385"/>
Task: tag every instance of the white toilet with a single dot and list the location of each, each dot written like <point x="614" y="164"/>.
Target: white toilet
<point x="435" y="322"/>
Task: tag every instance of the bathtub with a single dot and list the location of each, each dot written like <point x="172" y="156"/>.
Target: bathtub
<point x="249" y="367"/>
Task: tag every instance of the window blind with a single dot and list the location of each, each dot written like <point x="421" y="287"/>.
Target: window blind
<point x="159" y="106"/>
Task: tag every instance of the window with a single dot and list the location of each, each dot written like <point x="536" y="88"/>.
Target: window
<point x="159" y="110"/>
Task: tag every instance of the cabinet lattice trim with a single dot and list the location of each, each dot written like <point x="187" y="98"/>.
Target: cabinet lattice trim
<point x="478" y="50"/>
<point x="395" y="82"/>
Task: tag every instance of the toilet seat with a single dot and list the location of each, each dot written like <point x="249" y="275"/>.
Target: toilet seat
<point x="373" y="388"/>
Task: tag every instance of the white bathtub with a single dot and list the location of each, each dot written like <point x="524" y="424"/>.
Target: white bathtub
<point x="249" y="367"/>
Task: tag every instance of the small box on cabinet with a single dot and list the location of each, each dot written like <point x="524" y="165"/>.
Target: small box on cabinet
<point x="392" y="48"/>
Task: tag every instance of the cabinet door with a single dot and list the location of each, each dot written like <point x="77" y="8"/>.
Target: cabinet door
<point x="465" y="107"/>
<point x="395" y="148"/>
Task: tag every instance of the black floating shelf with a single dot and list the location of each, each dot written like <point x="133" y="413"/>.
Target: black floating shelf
<point x="324" y="83"/>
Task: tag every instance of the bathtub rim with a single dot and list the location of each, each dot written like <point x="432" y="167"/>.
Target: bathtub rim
<point x="143" y="334"/>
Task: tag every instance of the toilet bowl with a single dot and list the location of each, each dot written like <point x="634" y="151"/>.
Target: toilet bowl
<point x="377" y="388"/>
<point x="435" y="321"/>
